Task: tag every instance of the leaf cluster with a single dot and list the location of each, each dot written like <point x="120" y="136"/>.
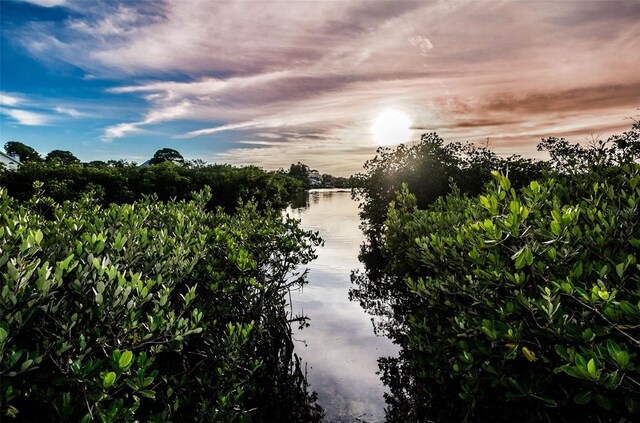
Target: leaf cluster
<point x="148" y="311"/>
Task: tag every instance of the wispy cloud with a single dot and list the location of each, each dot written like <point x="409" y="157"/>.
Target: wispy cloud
<point x="9" y="99"/>
<point x="24" y="117"/>
<point x="29" y="111"/>
<point x="168" y="113"/>
<point x="46" y="3"/>
<point x="314" y="75"/>
<point x="69" y="111"/>
<point x="120" y="130"/>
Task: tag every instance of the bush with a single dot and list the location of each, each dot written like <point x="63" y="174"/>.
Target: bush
<point x="520" y="300"/>
<point x="148" y="312"/>
<point x="428" y="168"/>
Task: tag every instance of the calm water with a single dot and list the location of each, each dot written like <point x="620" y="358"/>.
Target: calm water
<point x="341" y="349"/>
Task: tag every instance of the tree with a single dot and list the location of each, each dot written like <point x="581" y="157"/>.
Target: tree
<point x="62" y="157"/>
<point x="299" y="170"/>
<point x="167" y="155"/>
<point x="24" y="152"/>
<point x="523" y="297"/>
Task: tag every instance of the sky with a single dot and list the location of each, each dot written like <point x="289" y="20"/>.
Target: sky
<point x="323" y="82"/>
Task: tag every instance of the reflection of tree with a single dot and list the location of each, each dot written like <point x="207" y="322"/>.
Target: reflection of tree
<point x="300" y="200"/>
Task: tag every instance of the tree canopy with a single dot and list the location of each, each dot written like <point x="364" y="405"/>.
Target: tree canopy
<point x="62" y="157"/>
<point x="25" y="153"/>
<point x="167" y="155"/>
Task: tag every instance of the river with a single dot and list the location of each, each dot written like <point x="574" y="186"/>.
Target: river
<point x="339" y="346"/>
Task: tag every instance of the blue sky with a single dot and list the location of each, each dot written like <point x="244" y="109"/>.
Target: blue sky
<point x="324" y="82"/>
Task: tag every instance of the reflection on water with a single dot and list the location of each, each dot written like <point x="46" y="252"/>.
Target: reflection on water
<point x="342" y="350"/>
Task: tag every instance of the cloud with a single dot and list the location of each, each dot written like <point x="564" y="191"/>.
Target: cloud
<point x="229" y="127"/>
<point x="35" y="111"/>
<point x="120" y="130"/>
<point x="117" y="22"/>
<point x="24" y="117"/>
<point x="69" y="111"/>
<point x="46" y="3"/>
<point x="168" y="113"/>
<point x="313" y="75"/>
<point x="424" y="44"/>
<point x="9" y="100"/>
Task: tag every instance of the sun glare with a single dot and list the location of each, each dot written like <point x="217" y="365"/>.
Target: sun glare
<point x="391" y="127"/>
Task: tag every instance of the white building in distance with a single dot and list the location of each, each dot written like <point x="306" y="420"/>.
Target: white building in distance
<point x="11" y="161"/>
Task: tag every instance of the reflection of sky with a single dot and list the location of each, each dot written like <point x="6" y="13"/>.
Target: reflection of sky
<point x="341" y="350"/>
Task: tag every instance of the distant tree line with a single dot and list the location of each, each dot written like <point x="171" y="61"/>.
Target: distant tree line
<point x="311" y="178"/>
<point x="167" y="175"/>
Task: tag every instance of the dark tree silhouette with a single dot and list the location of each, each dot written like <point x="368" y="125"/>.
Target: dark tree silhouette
<point x="167" y="155"/>
<point x="62" y="157"/>
<point x="24" y="152"/>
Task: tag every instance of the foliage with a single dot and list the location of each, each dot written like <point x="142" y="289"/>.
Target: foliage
<point x="61" y="157"/>
<point x="24" y="152"/>
<point x="518" y="299"/>
<point x="167" y="155"/>
<point x="428" y="168"/>
<point x="567" y="158"/>
<point x="148" y="312"/>
<point x="121" y="182"/>
<point x="330" y="181"/>
<point x="303" y="173"/>
<point x="299" y="170"/>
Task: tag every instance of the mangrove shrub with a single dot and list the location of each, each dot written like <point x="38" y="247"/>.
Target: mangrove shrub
<point x="148" y="311"/>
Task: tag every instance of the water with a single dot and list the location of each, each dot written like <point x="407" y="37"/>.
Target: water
<point x="341" y="349"/>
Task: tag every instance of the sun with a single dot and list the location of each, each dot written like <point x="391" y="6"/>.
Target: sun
<point x="391" y="127"/>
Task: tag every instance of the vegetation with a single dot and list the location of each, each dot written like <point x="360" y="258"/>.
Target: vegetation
<point x="311" y="178"/>
<point x="62" y="157"/>
<point x="148" y="311"/>
<point x="26" y="153"/>
<point x="167" y="154"/>
<point x="428" y="168"/>
<point x="523" y="298"/>
<point x="120" y="182"/>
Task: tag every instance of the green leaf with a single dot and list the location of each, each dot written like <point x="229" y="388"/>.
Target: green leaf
<point x="109" y="379"/>
<point x="603" y="402"/>
<point x="622" y="358"/>
<point x="25" y="365"/>
<point x="620" y="269"/>
<point x="582" y="397"/>
<point x="535" y="186"/>
<point x="520" y="259"/>
<point x="580" y="361"/>
<point x="591" y="367"/>
<point x="3" y="334"/>
<point x="613" y="349"/>
<point x="125" y="359"/>
<point x="505" y="184"/>
<point x="148" y="394"/>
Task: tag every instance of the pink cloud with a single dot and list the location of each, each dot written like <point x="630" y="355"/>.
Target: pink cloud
<point x="512" y="71"/>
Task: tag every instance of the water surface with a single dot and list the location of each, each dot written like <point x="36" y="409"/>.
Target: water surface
<point x="341" y="349"/>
